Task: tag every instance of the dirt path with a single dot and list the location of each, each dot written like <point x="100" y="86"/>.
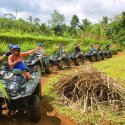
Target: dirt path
<point x="49" y="115"/>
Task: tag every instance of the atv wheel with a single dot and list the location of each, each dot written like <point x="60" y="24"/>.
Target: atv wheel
<point x="77" y="61"/>
<point x="109" y="55"/>
<point x="35" y="108"/>
<point x="0" y="109"/>
<point x="37" y="68"/>
<point x="99" y="57"/>
<point x="102" y="57"/>
<point x="71" y="63"/>
<point x="62" y="65"/>
<point x="82" y="60"/>
<point x="38" y="91"/>
<point x="92" y="58"/>
<point x="48" y="69"/>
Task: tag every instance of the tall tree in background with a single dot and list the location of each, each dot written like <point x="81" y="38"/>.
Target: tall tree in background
<point x="104" y="20"/>
<point x="123" y="19"/>
<point x="74" y="21"/>
<point x="56" y="22"/>
<point x="85" y="24"/>
<point x="74" y="24"/>
<point x="36" y="21"/>
<point x="30" y="19"/>
<point x="56" y="19"/>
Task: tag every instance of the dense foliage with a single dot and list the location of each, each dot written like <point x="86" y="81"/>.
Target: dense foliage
<point x="32" y="31"/>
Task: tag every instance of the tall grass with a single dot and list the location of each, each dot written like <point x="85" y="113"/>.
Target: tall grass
<point x="28" y="42"/>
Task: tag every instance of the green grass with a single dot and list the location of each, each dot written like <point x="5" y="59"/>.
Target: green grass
<point x="114" y="67"/>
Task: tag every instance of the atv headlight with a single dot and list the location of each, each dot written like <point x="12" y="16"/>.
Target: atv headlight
<point x="76" y="56"/>
<point x="29" y="88"/>
<point x="59" y="58"/>
<point x="51" y="57"/>
<point x="63" y="55"/>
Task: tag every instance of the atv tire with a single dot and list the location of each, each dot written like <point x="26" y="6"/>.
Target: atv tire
<point x="38" y="68"/>
<point x="99" y="57"/>
<point x="0" y="109"/>
<point x="35" y="108"/>
<point x="102" y="57"/>
<point x="48" y="69"/>
<point x="109" y="55"/>
<point x="62" y="65"/>
<point x="93" y="59"/>
<point x="77" y="62"/>
<point x="70" y="63"/>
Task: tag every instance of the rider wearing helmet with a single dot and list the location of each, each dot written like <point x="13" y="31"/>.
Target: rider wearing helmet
<point x="77" y="48"/>
<point x="15" y="60"/>
<point x="98" y="47"/>
<point x="92" y="48"/>
<point x="59" y="50"/>
<point x="40" y="51"/>
<point x="7" y="54"/>
<point x="107" y="46"/>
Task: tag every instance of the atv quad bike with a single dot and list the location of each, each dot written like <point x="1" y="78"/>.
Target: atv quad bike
<point x="92" y="56"/>
<point x="23" y="95"/>
<point x="107" y="52"/>
<point x="100" y="55"/>
<point x="76" y="58"/>
<point x="42" y="62"/>
<point x="60" y="60"/>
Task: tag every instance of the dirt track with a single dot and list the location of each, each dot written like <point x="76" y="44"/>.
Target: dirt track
<point x="49" y="115"/>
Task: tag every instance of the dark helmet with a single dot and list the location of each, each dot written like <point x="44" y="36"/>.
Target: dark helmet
<point x="99" y="45"/>
<point x="91" y="45"/>
<point x="16" y="48"/>
<point x="40" y="44"/>
<point x="10" y="46"/>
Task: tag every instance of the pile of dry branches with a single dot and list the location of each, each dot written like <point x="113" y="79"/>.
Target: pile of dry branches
<point x="89" y="87"/>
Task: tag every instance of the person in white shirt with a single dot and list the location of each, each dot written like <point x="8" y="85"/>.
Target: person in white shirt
<point x="40" y="51"/>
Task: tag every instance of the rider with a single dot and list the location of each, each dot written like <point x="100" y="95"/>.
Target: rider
<point x="98" y="47"/>
<point x="92" y="48"/>
<point x="77" y="48"/>
<point x="60" y="50"/>
<point x="15" y="60"/>
<point x="107" y="46"/>
<point x="40" y="51"/>
<point x="7" y="54"/>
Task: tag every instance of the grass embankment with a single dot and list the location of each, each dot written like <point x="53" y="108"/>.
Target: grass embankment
<point x="114" y="67"/>
<point x="27" y="42"/>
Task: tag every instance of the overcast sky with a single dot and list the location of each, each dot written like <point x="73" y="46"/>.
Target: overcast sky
<point x="91" y="9"/>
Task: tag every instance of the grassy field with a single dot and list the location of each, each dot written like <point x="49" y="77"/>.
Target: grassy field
<point x="114" y="67"/>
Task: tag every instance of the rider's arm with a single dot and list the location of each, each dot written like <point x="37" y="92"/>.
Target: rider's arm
<point x="11" y="63"/>
<point x="43" y="52"/>
<point x="29" y="52"/>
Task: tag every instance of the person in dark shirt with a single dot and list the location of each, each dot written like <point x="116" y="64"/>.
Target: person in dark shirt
<point x="77" y="48"/>
<point x="7" y="54"/>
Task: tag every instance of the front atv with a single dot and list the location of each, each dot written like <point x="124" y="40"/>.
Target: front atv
<point x="23" y="95"/>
